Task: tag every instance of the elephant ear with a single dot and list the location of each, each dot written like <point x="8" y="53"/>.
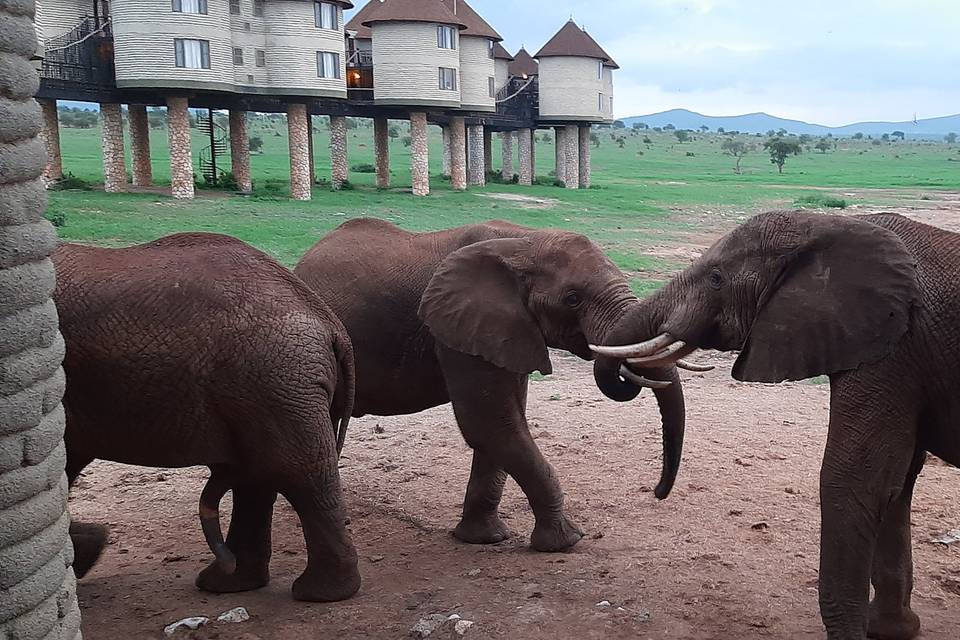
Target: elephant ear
<point x="843" y="299"/>
<point x="476" y="304"/>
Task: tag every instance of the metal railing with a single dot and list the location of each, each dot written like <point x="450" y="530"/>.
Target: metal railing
<point x="359" y="58"/>
<point x="83" y="55"/>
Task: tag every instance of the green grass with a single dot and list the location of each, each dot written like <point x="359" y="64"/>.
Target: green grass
<point x="639" y="200"/>
<point x="820" y="201"/>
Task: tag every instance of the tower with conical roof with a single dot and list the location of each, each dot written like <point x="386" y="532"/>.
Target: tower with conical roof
<point x="501" y="65"/>
<point x="523" y="65"/>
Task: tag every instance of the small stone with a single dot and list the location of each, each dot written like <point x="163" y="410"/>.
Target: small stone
<point x="743" y="463"/>
<point x="460" y="627"/>
<point x="597" y="536"/>
<point x="792" y="491"/>
<point x="237" y="614"/>
<point x="736" y="512"/>
<point x="760" y="526"/>
<point x="191" y="624"/>
<point x="376" y="558"/>
<point x="473" y="573"/>
<point x="603" y="603"/>
<point x="378" y="429"/>
<point x="427" y="625"/>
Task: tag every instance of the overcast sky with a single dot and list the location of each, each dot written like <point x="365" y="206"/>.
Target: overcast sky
<point x="832" y="62"/>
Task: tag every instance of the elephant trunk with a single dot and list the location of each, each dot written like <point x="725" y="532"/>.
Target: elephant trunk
<point x="210" y="498"/>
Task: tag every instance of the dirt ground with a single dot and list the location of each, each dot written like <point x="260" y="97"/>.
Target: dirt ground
<point x="733" y="553"/>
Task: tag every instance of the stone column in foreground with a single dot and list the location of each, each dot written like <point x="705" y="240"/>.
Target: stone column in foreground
<point x="458" y="154"/>
<point x="339" y="170"/>
<point x="445" y="130"/>
<point x="419" y="154"/>
<point x="487" y="150"/>
<point x="506" y="148"/>
<point x="181" y="158"/>
<point x="477" y="175"/>
<point x="313" y="168"/>
<point x="240" y="151"/>
<point x="300" y="182"/>
<point x="585" y="168"/>
<point x="140" y="145"/>
<point x="38" y="597"/>
<point x="572" y="155"/>
<point x="526" y="159"/>
<point x="51" y="138"/>
<point x="533" y="154"/>
<point x="381" y="150"/>
<point x="560" y="151"/>
<point x="114" y="158"/>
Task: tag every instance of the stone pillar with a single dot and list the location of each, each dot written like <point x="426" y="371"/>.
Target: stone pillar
<point x="339" y="170"/>
<point x="585" y="169"/>
<point x="526" y="166"/>
<point x="181" y="158"/>
<point x="240" y="151"/>
<point x="51" y="138"/>
<point x="446" y="149"/>
<point x="477" y="173"/>
<point x="487" y="151"/>
<point x="419" y="154"/>
<point x="572" y="155"/>
<point x="560" y="151"/>
<point x="114" y="160"/>
<point x="533" y="154"/>
<point x="37" y="585"/>
<point x="506" y="147"/>
<point x="140" y="145"/>
<point x="381" y="150"/>
<point x="300" y="182"/>
<point x="458" y="154"/>
<point x="313" y="168"/>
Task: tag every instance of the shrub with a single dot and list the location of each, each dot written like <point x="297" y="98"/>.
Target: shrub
<point x="364" y="167"/>
<point x="71" y="182"/>
<point x="691" y="154"/>
<point x="820" y="201"/>
<point x="56" y="219"/>
<point x="544" y="181"/>
<point x="256" y="144"/>
<point x="497" y="177"/>
<point x="407" y="141"/>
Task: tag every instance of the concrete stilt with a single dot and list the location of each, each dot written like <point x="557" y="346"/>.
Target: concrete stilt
<point x="299" y="152"/>
<point x="487" y="150"/>
<point x="477" y="173"/>
<point x="585" y="168"/>
<point x="446" y="150"/>
<point x="526" y="166"/>
<point x="458" y="154"/>
<point x="420" y="154"/>
<point x="240" y="151"/>
<point x="381" y="144"/>
<point x="140" y="145"/>
<point x="560" y="151"/>
<point x="114" y="159"/>
<point x="181" y="157"/>
<point x="339" y="169"/>
<point x="572" y="156"/>
<point x="506" y="148"/>
<point x="50" y="133"/>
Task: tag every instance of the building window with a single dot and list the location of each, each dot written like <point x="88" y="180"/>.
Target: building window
<point x="258" y="8"/>
<point x="328" y="65"/>
<point x="448" y="79"/>
<point x="325" y="15"/>
<point x="601" y="103"/>
<point x="446" y="37"/>
<point x="192" y="54"/>
<point x="234" y="7"/>
<point x="238" y="56"/>
<point x="261" y="57"/>
<point x="490" y="46"/>
<point x="190" y="6"/>
<point x="600" y="70"/>
<point x="492" y="86"/>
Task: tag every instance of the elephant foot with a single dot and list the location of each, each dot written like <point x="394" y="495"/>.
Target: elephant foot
<point x="901" y="625"/>
<point x="559" y="535"/>
<point x="489" y="530"/>
<point x="245" y="578"/>
<point x="327" y="586"/>
<point x="89" y="541"/>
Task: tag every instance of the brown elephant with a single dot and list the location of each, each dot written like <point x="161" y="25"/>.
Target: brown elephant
<point x="463" y="316"/>
<point x="198" y="349"/>
<point x="874" y="302"/>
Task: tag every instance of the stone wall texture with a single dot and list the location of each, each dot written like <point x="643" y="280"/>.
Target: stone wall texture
<point x="140" y="145"/>
<point x="51" y="139"/>
<point x="419" y="154"/>
<point x="458" y="154"/>
<point x="533" y="153"/>
<point x="37" y="586"/>
<point x="571" y="154"/>
<point x="300" y="182"/>
<point x="181" y="158"/>
<point x="487" y="150"/>
<point x="339" y="169"/>
<point x="240" y="151"/>
<point x="445" y="130"/>
<point x="560" y="151"/>
<point x="313" y="168"/>
<point x="477" y="175"/>
<point x="526" y="157"/>
<point x="585" y="168"/>
<point x="114" y="159"/>
<point x="506" y="148"/>
<point x="381" y="151"/>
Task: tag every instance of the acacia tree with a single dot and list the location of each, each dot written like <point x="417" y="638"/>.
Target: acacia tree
<point x="780" y="149"/>
<point x="737" y="149"/>
<point x="823" y="145"/>
<point x="682" y="135"/>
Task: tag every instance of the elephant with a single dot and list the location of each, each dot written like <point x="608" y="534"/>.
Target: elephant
<point x="198" y="349"/>
<point x="872" y="302"/>
<point x="462" y="316"/>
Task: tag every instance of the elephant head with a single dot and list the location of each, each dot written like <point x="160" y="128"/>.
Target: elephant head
<point x="798" y="294"/>
<point x="507" y="300"/>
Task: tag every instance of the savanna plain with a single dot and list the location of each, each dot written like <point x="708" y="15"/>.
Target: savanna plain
<point x="732" y="553"/>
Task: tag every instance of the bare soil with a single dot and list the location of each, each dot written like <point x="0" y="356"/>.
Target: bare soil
<point x="732" y="553"/>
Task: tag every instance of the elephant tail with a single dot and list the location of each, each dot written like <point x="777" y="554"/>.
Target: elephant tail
<point x="213" y="492"/>
<point x="343" y="397"/>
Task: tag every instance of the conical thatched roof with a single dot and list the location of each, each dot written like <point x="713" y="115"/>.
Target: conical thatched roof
<point x="573" y="41"/>
<point x="499" y="53"/>
<point x="523" y="65"/>
<point x="432" y="11"/>
<point x="476" y="26"/>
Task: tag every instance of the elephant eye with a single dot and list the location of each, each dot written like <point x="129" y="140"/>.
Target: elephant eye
<point x="572" y="299"/>
<point x="716" y="279"/>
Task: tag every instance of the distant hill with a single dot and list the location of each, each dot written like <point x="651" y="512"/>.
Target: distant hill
<point x="762" y="123"/>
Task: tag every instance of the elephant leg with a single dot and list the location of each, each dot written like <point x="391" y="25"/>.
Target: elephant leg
<point x="891" y="617"/>
<point x="89" y="539"/>
<point x="480" y="523"/>
<point x="249" y="540"/>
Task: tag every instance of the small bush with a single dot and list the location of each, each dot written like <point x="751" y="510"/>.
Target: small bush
<point x="407" y="141"/>
<point x="56" y="219"/>
<point x="255" y="144"/>
<point x="819" y="201"/>
<point x="544" y="181"/>
<point x="647" y="140"/>
<point x="497" y="177"/>
<point x="71" y="182"/>
<point x="691" y="154"/>
<point x="365" y="167"/>
<point x="272" y="189"/>
<point x="346" y="185"/>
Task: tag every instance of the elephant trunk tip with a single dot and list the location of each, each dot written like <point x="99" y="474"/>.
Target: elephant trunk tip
<point x="210" y="498"/>
<point x="664" y="487"/>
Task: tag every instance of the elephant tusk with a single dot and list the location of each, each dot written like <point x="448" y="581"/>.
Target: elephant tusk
<point x="664" y="358"/>
<point x="640" y="381"/>
<point x="691" y="366"/>
<point x="640" y="349"/>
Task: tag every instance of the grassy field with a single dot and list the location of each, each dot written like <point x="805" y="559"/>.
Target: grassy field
<point x="644" y="193"/>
